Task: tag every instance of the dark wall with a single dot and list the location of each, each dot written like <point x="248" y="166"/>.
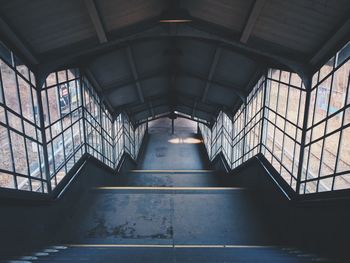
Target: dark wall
<point x="319" y="225"/>
<point x="26" y="225"/>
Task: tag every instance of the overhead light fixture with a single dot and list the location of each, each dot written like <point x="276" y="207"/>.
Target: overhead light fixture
<point x="175" y="15"/>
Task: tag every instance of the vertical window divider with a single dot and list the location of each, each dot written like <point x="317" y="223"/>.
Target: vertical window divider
<point x="263" y="111"/>
<point x="102" y="131"/>
<point x="114" y="141"/>
<point x="83" y="109"/>
<point x="308" y="84"/>
<point x="245" y="127"/>
<point x="43" y="135"/>
<point x="15" y="182"/>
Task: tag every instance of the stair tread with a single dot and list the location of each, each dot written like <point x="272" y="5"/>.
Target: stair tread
<point x="182" y="254"/>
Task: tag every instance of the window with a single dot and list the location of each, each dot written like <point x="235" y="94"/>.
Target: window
<point x="63" y="118"/>
<point x="22" y="163"/>
<point x="326" y="164"/>
<point x="285" y="105"/>
<point x="276" y="123"/>
<point x="43" y="134"/>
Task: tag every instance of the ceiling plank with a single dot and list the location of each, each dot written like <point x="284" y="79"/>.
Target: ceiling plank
<point x="331" y="43"/>
<point x="212" y="69"/>
<point x="15" y="40"/>
<point x="135" y="73"/>
<point x="253" y="17"/>
<point x="96" y="20"/>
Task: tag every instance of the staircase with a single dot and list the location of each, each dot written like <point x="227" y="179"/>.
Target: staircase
<point x="172" y="208"/>
<point x="168" y="216"/>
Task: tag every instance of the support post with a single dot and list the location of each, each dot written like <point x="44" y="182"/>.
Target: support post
<point x="172" y="126"/>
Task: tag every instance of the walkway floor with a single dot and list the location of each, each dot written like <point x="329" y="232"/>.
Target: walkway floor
<point x="179" y="151"/>
<point x="177" y="207"/>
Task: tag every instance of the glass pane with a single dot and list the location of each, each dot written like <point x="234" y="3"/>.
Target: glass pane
<point x="342" y="182"/>
<point x="293" y="105"/>
<point x="26" y="99"/>
<point x="273" y="95"/>
<point x="9" y="83"/>
<point x="58" y="151"/>
<point x="14" y="121"/>
<point x="340" y="85"/>
<point x="23" y="183"/>
<point x="19" y="153"/>
<point x="325" y="184"/>
<point x="6" y="180"/>
<point x="30" y="130"/>
<point x="295" y="80"/>
<point x="330" y="149"/>
<point x="54" y="103"/>
<point x="51" y="79"/>
<point x="344" y="152"/>
<point x="62" y="76"/>
<point x="285" y="76"/>
<point x="311" y="187"/>
<point x="2" y="115"/>
<point x="68" y="142"/>
<point x="326" y="68"/>
<point x="33" y="158"/>
<point x="314" y="160"/>
<point x="36" y="186"/>
<point x="5" y="150"/>
<point x="323" y="91"/>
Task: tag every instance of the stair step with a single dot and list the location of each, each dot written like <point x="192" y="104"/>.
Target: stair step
<point x="181" y="179"/>
<point x="173" y="171"/>
<point x="167" y="189"/>
<point x="181" y="253"/>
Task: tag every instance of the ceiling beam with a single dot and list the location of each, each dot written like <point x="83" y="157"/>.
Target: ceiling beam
<point x="135" y="74"/>
<point x="253" y="17"/>
<point x="332" y="43"/>
<point x="96" y="20"/>
<point x="212" y="69"/>
<point x="17" y="42"/>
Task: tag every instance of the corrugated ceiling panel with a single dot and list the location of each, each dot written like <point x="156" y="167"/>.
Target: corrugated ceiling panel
<point x="231" y="14"/>
<point x="302" y="25"/>
<point x="120" y="13"/>
<point x="48" y="25"/>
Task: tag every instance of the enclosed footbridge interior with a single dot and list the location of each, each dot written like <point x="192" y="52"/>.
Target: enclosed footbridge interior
<point x="174" y="131"/>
